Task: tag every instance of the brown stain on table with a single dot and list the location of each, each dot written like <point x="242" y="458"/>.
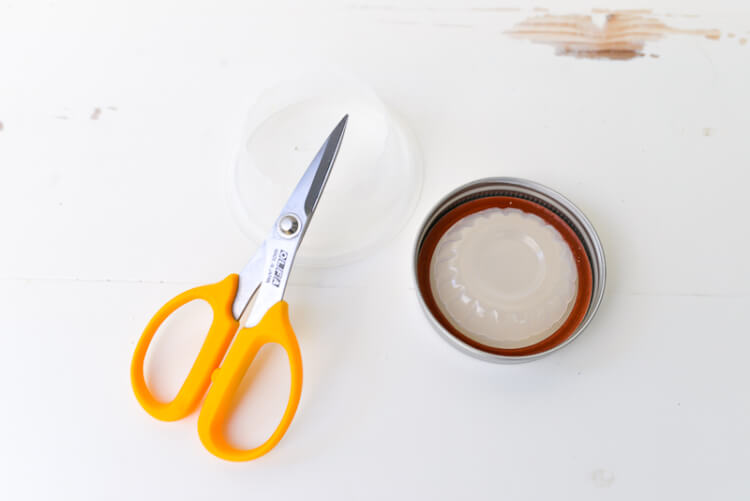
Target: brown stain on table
<point x="622" y="36"/>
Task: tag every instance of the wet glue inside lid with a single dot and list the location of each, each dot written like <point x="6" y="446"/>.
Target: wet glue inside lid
<point x="374" y="184"/>
<point x="507" y="275"/>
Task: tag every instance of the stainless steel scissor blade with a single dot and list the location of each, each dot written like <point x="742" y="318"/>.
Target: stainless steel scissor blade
<point x="268" y="270"/>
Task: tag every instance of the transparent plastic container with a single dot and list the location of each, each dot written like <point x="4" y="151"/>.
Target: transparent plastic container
<point x="375" y="182"/>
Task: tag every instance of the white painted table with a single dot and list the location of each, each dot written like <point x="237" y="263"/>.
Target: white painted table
<point x="119" y="122"/>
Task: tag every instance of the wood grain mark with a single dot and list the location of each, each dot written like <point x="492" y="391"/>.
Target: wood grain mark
<point x="621" y="36"/>
<point x="400" y="23"/>
<point x="426" y="8"/>
<point x="624" y="12"/>
<point x="453" y="25"/>
<point x="684" y="16"/>
<point x="495" y="9"/>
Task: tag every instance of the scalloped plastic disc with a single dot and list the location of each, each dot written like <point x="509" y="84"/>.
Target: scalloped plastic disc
<point x="504" y="277"/>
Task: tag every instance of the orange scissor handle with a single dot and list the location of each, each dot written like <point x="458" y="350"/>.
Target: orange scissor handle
<point x="223" y="327"/>
<point x="273" y="328"/>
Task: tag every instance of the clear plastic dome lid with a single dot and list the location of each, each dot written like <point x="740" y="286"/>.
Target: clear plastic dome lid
<point x="374" y="184"/>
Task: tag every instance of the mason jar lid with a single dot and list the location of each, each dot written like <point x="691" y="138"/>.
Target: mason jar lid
<point x="508" y="270"/>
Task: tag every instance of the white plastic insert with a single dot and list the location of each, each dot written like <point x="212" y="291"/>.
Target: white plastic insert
<point x="504" y="277"/>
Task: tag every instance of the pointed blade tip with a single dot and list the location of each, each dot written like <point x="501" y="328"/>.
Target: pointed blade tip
<point x="338" y="131"/>
<point x="343" y="121"/>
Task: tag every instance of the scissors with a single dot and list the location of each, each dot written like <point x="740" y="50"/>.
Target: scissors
<point x="263" y="279"/>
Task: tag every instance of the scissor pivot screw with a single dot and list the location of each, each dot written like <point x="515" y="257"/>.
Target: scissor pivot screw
<point x="289" y="225"/>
